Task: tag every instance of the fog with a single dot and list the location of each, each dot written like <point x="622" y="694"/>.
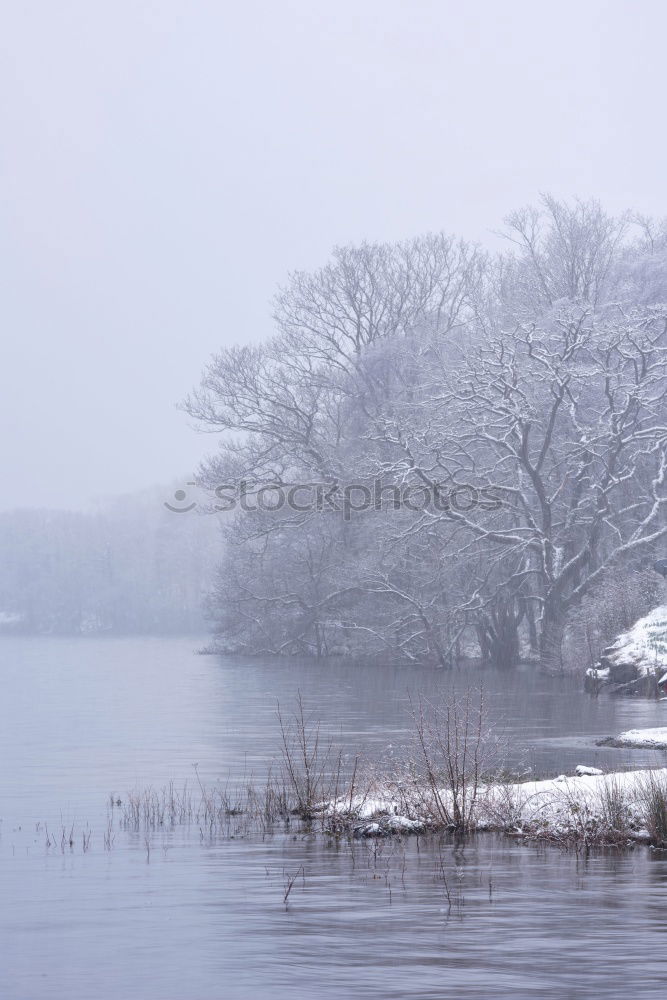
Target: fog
<point x="333" y="534"/>
<point x="165" y="166"/>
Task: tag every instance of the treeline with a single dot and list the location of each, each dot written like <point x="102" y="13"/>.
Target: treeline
<point x="128" y="567"/>
<point x="537" y="376"/>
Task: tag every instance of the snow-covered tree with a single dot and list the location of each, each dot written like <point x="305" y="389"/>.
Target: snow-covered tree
<point x="533" y="383"/>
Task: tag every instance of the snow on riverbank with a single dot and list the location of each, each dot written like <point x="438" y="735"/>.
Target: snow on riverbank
<point x="587" y="807"/>
<point x="648" y="738"/>
<point x="644" y="645"/>
<point x="636" y="663"/>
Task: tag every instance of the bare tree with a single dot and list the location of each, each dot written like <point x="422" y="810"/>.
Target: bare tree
<point x="536" y="382"/>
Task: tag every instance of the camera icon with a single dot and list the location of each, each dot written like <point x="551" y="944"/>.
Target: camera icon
<point x="181" y="497"/>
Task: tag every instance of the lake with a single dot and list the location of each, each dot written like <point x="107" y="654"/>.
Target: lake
<point x="192" y="917"/>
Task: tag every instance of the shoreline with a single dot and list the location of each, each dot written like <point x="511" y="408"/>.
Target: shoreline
<point x="585" y="809"/>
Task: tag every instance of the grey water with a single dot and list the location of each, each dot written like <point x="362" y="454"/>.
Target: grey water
<point x="195" y="917"/>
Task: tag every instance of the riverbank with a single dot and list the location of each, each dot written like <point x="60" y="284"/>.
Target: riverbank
<point x="586" y="809"/>
<point x="639" y="739"/>
<point x="579" y="811"/>
<point x="636" y="662"/>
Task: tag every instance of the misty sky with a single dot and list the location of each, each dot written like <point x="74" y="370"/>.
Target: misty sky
<point x="165" y="164"/>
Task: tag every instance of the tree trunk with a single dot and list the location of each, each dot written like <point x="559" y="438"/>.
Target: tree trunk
<point x="500" y="644"/>
<point x="533" y="637"/>
<point x="551" y="638"/>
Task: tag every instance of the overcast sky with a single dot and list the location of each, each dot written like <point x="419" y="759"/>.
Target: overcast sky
<point x="164" y="165"/>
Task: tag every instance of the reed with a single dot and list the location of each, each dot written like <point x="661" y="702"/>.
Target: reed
<point x="653" y="792"/>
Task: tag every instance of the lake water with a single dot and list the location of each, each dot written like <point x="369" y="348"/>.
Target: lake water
<point x="200" y="918"/>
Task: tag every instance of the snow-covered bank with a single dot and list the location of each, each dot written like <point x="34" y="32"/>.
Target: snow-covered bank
<point x="651" y="739"/>
<point x="587" y="807"/>
<point x="637" y="661"/>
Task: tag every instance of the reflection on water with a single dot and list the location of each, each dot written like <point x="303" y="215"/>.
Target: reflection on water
<point x="201" y="919"/>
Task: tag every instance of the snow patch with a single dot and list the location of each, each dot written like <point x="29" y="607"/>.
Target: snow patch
<point x="651" y="738"/>
<point x="555" y="807"/>
<point x="644" y="645"/>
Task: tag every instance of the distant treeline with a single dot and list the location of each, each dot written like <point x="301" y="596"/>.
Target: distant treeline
<point x="128" y="567"/>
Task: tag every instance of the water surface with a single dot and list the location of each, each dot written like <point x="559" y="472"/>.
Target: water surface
<point x="200" y="918"/>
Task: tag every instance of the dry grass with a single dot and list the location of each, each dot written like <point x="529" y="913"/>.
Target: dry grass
<point x="653" y="798"/>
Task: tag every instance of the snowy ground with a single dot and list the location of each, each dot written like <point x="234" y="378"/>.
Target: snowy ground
<point x="588" y="805"/>
<point x="649" y="738"/>
<point x="644" y="645"/>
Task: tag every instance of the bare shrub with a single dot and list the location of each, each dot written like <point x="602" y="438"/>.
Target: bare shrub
<point x="454" y="751"/>
<point x="311" y="772"/>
